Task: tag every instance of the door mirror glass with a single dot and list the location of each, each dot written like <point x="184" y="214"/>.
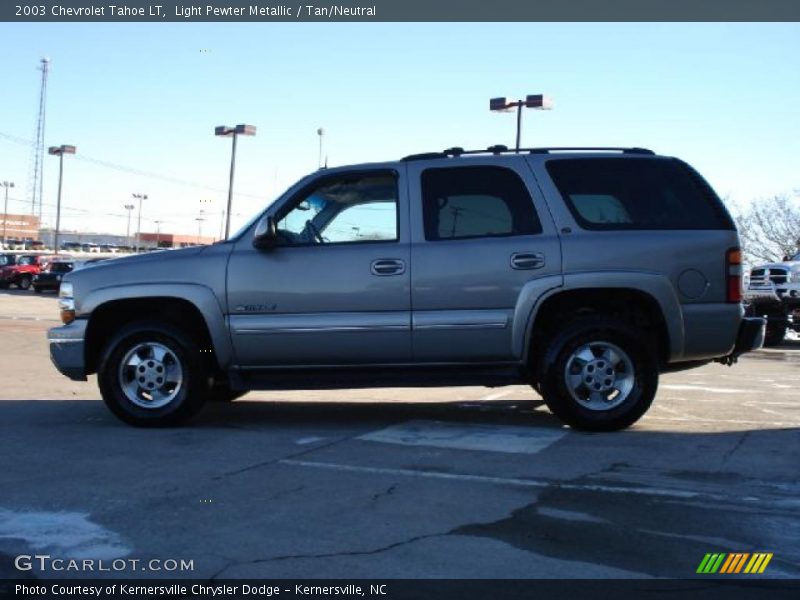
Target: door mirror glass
<point x="265" y="236"/>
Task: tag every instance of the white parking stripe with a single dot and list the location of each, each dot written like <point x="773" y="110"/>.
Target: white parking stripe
<point x="469" y="436"/>
<point x="698" y="388"/>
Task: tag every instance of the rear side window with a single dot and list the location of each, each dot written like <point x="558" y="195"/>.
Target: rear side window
<point x="481" y="201"/>
<point x="637" y="193"/>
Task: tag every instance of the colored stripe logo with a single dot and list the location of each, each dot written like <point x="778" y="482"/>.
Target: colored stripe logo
<point x="734" y="562"/>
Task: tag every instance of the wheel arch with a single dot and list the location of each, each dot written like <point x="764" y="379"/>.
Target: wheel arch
<point x="632" y="295"/>
<point x="193" y="308"/>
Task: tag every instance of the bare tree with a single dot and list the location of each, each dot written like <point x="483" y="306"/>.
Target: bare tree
<point x="769" y="228"/>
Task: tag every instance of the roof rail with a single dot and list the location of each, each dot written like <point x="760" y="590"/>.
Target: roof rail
<point x="457" y="151"/>
<point x="589" y="149"/>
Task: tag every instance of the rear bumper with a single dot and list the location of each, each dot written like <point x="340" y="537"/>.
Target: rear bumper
<point x="67" y="349"/>
<point x="751" y="335"/>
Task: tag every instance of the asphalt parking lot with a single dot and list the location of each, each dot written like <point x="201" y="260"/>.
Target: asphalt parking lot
<point x="433" y="483"/>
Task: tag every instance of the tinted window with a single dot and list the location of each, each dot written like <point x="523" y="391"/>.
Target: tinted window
<point x="60" y="267"/>
<point x="346" y="209"/>
<point x="468" y="202"/>
<point x="637" y="193"/>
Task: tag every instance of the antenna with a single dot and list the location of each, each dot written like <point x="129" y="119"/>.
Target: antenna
<point x="37" y="177"/>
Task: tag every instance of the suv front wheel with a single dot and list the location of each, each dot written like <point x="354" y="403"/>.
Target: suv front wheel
<point x="598" y="375"/>
<point x="153" y="375"/>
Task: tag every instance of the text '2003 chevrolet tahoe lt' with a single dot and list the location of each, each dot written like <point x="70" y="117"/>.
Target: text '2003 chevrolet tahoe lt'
<point x="584" y="273"/>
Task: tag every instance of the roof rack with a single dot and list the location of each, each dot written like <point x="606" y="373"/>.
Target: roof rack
<point x="457" y="151"/>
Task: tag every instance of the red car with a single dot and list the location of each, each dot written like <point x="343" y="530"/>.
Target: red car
<point x="20" y="269"/>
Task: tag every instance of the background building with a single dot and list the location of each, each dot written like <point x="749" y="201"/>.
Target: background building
<point x="20" y="227"/>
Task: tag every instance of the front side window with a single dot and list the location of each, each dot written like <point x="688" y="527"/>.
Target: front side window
<point x="481" y="201"/>
<point x="346" y="209"/>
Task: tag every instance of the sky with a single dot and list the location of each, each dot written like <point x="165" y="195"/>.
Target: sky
<point x="140" y="102"/>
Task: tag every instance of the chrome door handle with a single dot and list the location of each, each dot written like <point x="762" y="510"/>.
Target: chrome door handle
<point x="527" y="260"/>
<point x="387" y="266"/>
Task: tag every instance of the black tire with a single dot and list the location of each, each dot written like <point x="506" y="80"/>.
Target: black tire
<point x="189" y="396"/>
<point x="24" y="282"/>
<point x="774" y="334"/>
<point x="595" y="332"/>
<point x="4" y="285"/>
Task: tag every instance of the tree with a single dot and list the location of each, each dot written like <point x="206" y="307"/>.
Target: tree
<point x="769" y="229"/>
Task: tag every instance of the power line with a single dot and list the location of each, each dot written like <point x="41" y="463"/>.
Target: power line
<point x="140" y="172"/>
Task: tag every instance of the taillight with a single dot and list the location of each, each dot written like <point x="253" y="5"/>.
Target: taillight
<point x="733" y="268"/>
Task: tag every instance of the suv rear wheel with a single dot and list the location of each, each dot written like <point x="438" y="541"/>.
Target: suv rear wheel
<point x="153" y="375"/>
<point x="598" y="375"/>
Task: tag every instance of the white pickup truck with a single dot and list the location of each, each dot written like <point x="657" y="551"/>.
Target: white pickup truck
<point x="774" y="293"/>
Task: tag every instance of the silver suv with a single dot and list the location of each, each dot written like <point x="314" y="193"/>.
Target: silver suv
<point x="584" y="273"/>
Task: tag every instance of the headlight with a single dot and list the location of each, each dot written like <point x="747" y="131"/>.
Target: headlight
<point x="66" y="303"/>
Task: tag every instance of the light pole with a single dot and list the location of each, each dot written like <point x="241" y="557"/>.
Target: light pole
<point x="234" y="132"/>
<point x="129" y="208"/>
<point x="199" y="228"/>
<point x="59" y="151"/>
<point x="158" y="233"/>
<point x="320" y="133"/>
<point x="6" y="184"/>
<point x="537" y="101"/>
<point x="141" y="198"/>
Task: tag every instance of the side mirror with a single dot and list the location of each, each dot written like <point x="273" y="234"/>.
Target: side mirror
<point x="265" y="236"/>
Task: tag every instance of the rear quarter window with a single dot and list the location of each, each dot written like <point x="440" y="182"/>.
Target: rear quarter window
<point x="637" y="193"/>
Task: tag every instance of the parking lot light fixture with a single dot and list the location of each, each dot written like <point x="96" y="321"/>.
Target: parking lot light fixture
<point x="141" y="198"/>
<point x="158" y="232"/>
<point x="129" y="208"/>
<point x="233" y="132"/>
<point x="7" y="185"/>
<point x="321" y="134"/>
<point x="59" y="151"/>
<point x="199" y="228"/>
<point x="535" y="101"/>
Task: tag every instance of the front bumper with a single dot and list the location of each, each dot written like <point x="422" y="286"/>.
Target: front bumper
<point x="751" y="335"/>
<point x="67" y="349"/>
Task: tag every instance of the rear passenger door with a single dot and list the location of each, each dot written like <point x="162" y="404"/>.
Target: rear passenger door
<point x="480" y="234"/>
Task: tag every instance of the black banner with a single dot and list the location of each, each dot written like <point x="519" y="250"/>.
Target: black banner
<point x="159" y="11"/>
<point x="705" y="588"/>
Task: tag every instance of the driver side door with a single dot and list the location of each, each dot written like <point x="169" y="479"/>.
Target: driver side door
<point x="335" y="290"/>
